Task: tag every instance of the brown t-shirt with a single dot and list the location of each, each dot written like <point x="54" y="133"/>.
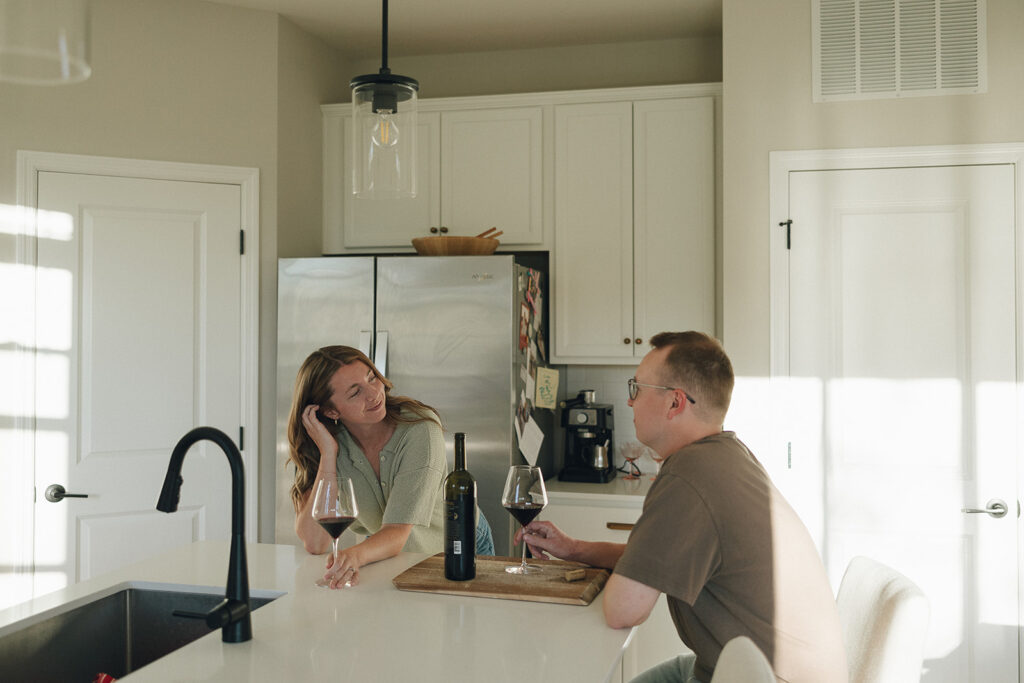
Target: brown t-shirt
<point x="734" y="559"/>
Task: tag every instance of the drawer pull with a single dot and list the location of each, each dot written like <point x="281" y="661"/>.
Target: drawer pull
<point x="619" y="526"/>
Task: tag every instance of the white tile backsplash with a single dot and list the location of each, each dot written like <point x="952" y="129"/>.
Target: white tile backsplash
<point x="609" y="383"/>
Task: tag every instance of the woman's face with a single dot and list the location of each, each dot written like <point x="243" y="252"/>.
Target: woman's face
<point x="357" y="396"/>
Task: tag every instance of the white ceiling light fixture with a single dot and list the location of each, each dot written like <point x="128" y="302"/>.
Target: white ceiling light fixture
<point x="44" y="42"/>
<point x="384" y="131"/>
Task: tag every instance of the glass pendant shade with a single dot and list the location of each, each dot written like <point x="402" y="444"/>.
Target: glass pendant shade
<point x="44" y="42"/>
<point x="384" y="118"/>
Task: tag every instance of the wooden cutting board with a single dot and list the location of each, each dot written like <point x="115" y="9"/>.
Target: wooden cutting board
<point x="492" y="581"/>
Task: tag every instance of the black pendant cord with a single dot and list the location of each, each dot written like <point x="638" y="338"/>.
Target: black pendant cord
<point x="384" y="41"/>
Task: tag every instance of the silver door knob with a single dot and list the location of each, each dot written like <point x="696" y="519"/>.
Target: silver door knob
<point x="994" y="508"/>
<point x="55" y="493"/>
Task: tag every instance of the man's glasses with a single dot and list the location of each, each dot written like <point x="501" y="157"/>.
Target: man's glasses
<point x="634" y="389"/>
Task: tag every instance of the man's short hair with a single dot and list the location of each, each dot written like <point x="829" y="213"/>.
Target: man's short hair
<point x="697" y="363"/>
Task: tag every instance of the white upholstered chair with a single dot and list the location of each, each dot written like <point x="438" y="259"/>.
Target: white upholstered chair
<point x="742" y="662"/>
<point x="884" y="616"/>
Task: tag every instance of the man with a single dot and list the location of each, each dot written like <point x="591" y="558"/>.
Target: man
<point x="715" y="535"/>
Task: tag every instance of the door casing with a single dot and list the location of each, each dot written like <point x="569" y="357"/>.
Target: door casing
<point x="29" y="165"/>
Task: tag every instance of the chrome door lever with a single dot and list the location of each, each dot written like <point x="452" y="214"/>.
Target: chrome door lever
<point x="994" y="508"/>
<point x="55" y="493"/>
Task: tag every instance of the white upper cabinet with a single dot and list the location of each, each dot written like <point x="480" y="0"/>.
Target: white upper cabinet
<point x="491" y="173"/>
<point x="634" y="225"/>
<point x="477" y="168"/>
<point x="593" y="259"/>
<point x="673" y="218"/>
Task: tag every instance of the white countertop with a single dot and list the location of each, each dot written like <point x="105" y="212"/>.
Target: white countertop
<point x="371" y="632"/>
<point x="619" y="490"/>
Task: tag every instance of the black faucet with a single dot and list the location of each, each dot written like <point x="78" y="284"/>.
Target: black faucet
<point x="231" y="615"/>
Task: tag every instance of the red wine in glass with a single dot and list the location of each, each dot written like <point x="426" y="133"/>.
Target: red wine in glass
<point x="524" y="497"/>
<point x="335" y="526"/>
<point x="524" y="512"/>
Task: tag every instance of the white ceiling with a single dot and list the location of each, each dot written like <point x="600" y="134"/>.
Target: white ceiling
<point x="423" y="27"/>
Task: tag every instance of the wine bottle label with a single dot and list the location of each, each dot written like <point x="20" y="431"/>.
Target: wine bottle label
<point x="460" y="538"/>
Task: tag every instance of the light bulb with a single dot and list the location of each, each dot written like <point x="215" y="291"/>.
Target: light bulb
<point x="385" y="131"/>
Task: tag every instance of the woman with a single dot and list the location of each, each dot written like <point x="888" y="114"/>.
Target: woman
<point x="345" y="422"/>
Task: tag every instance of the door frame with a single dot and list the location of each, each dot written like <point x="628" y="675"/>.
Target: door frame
<point x="29" y="165"/>
<point x="781" y="164"/>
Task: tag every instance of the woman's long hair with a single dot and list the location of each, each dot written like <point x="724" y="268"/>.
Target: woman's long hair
<point x="312" y="386"/>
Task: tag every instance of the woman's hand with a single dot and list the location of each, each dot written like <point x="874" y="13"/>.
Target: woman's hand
<point x="344" y="572"/>
<point x="321" y="436"/>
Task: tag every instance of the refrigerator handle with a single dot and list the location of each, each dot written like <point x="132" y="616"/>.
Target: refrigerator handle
<point x="364" y="342"/>
<point x="380" y="354"/>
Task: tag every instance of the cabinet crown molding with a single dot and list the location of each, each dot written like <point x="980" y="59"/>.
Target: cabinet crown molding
<point x="653" y="92"/>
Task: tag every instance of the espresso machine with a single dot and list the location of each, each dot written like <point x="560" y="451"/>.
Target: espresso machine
<point x="588" y="439"/>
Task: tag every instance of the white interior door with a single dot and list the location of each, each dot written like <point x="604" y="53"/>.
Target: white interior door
<point x="137" y="341"/>
<point x="903" y="362"/>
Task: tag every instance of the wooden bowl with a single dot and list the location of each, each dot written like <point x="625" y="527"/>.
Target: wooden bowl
<point x="454" y="245"/>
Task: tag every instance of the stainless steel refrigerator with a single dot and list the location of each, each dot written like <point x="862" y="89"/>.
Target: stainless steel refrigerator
<point x="459" y="333"/>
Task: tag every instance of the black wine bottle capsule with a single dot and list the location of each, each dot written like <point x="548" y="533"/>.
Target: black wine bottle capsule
<point x="460" y="518"/>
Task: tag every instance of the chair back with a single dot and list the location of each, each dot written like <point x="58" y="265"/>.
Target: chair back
<point x="884" y="617"/>
<point x="742" y="662"/>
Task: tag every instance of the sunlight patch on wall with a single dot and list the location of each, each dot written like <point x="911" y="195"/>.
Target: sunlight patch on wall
<point x="23" y="220"/>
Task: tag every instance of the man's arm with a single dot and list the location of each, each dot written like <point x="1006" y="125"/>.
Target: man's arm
<point x="546" y="540"/>
<point x="627" y="602"/>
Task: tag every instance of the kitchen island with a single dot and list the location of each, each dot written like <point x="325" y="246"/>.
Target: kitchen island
<point x="370" y="632"/>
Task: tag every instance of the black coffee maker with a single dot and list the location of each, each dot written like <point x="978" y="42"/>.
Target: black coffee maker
<point x="588" y="439"/>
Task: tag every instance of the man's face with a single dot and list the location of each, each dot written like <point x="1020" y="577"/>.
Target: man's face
<point x="650" y="405"/>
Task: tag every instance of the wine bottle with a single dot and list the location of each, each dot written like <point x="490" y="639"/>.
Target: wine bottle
<point x="460" y="518"/>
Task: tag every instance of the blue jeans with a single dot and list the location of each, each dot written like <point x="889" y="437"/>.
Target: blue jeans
<point x="678" y="670"/>
<point x="484" y="538"/>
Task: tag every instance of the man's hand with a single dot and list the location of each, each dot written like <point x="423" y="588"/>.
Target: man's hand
<point x="545" y="540"/>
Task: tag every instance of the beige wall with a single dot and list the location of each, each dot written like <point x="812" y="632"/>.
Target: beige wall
<point x="767" y="107"/>
<point x="310" y="73"/>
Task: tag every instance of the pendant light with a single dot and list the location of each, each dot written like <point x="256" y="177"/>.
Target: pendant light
<point x="384" y="131"/>
<point x="44" y="42"/>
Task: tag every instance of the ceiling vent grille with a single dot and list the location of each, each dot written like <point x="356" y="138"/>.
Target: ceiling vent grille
<point x="872" y="49"/>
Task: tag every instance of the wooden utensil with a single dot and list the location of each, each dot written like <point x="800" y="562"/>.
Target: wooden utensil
<point x="487" y="232"/>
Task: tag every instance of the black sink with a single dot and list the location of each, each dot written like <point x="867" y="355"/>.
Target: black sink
<point x="115" y="634"/>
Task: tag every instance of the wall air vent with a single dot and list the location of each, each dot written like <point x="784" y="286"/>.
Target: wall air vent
<point x="874" y="49"/>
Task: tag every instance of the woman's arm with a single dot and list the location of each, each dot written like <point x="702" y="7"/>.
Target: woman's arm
<point x="386" y="543"/>
<point x="314" y="538"/>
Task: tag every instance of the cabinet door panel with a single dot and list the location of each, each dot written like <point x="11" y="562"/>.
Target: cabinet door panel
<point x="674" y="217"/>
<point x="393" y="223"/>
<point x="593" y="274"/>
<point x="491" y="173"/>
<point x="592" y="522"/>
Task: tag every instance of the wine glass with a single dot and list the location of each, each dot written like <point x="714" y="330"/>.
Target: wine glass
<point x="524" y="497"/>
<point x="334" y="508"/>
<point x="631" y="452"/>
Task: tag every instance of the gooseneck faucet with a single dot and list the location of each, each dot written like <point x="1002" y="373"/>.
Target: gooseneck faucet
<point x="231" y="615"/>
